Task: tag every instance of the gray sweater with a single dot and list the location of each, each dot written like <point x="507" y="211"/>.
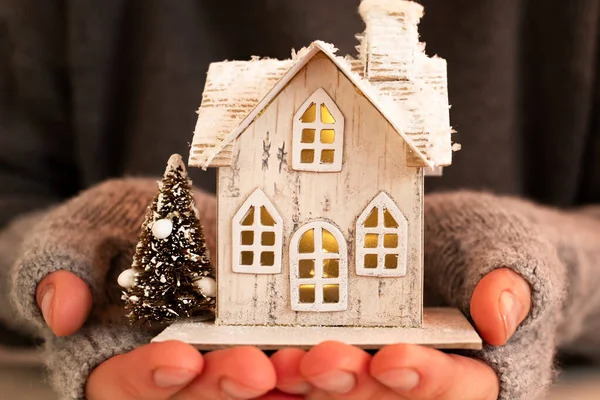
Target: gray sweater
<point x="94" y="92"/>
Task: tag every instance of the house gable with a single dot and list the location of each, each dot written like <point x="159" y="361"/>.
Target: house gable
<point x="208" y="147"/>
<point x="321" y="55"/>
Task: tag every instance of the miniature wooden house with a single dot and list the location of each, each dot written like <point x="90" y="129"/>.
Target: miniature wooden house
<point x="320" y="177"/>
<point x="321" y="163"/>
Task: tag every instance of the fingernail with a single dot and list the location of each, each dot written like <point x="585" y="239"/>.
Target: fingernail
<point x="335" y="382"/>
<point x="236" y="391"/>
<point x="402" y="379"/>
<point x="296" y="388"/>
<point x="170" y="377"/>
<point x="46" y="303"/>
<point x="511" y="309"/>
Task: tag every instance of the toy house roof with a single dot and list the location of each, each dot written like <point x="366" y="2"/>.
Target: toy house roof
<point x="236" y="93"/>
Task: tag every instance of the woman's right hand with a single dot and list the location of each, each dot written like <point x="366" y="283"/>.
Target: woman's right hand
<point x="156" y="371"/>
<point x="66" y="287"/>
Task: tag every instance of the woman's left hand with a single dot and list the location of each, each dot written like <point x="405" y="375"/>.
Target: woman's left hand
<point x="334" y="370"/>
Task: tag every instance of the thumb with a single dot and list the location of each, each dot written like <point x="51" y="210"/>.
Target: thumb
<point x="500" y="302"/>
<point x="65" y="301"/>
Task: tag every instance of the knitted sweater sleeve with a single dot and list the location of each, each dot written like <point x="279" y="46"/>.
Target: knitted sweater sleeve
<point x="94" y="236"/>
<point x="467" y="235"/>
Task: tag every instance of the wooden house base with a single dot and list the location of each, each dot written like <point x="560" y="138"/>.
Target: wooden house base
<point x="443" y="328"/>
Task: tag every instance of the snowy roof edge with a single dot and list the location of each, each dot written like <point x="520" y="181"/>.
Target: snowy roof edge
<point x="303" y="57"/>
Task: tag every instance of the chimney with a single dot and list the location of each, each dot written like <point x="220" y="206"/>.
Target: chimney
<point x="391" y="39"/>
<point x="395" y="62"/>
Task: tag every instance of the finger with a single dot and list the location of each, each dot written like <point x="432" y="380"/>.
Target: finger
<point x="238" y="373"/>
<point x="278" y="395"/>
<point x="65" y="301"/>
<point x="287" y="368"/>
<point x="421" y="373"/>
<point x="153" y="372"/>
<point x="341" y="371"/>
<point x="500" y="302"/>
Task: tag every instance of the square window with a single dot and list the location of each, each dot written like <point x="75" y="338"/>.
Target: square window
<point x="247" y="258"/>
<point x="327" y="136"/>
<point x="267" y="259"/>
<point x="307" y="156"/>
<point x="327" y="156"/>
<point x="391" y="261"/>
<point x="371" y="240"/>
<point x="390" y="241"/>
<point x="247" y="238"/>
<point x="370" y="260"/>
<point x="308" y="136"/>
<point x="306" y="269"/>
<point x="307" y="293"/>
<point x="331" y="268"/>
<point x="268" y="239"/>
<point x="331" y="293"/>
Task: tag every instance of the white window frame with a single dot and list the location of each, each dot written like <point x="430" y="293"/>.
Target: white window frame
<point x="318" y="256"/>
<point x="257" y="199"/>
<point x="381" y="202"/>
<point x="319" y="97"/>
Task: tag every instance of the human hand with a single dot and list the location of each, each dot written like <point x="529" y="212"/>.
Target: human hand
<point x="334" y="370"/>
<point x="157" y="371"/>
<point x="330" y="370"/>
<point x="66" y="286"/>
<point x="78" y="251"/>
<point x="177" y="371"/>
<point x="478" y="248"/>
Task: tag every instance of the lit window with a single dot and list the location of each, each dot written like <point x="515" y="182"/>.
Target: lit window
<point x="381" y="239"/>
<point x="319" y="268"/>
<point x="257" y="236"/>
<point x="318" y="135"/>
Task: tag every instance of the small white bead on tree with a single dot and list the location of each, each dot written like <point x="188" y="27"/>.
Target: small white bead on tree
<point x="207" y="286"/>
<point x="126" y="278"/>
<point x="162" y="228"/>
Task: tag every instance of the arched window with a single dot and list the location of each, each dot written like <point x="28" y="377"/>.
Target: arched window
<point x="257" y="236"/>
<point x="318" y="268"/>
<point x="318" y="135"/>
<point x="381" y="239"/>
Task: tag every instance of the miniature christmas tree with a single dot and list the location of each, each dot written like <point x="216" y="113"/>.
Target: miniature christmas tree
<point x="171" y="276"/>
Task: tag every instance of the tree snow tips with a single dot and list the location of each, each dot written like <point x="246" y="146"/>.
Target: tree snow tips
<point x="174" y="278"/>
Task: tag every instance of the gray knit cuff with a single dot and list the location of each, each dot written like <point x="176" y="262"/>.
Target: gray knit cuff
<point x="36" y="265"/>
<point x="89" y="236"/>
<point x="94" y="236"/>
<point x="468" y="235"/>
<point x="70" y="360"/>
<point x="525" y="364"/>
<point x="83" y="236"/>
